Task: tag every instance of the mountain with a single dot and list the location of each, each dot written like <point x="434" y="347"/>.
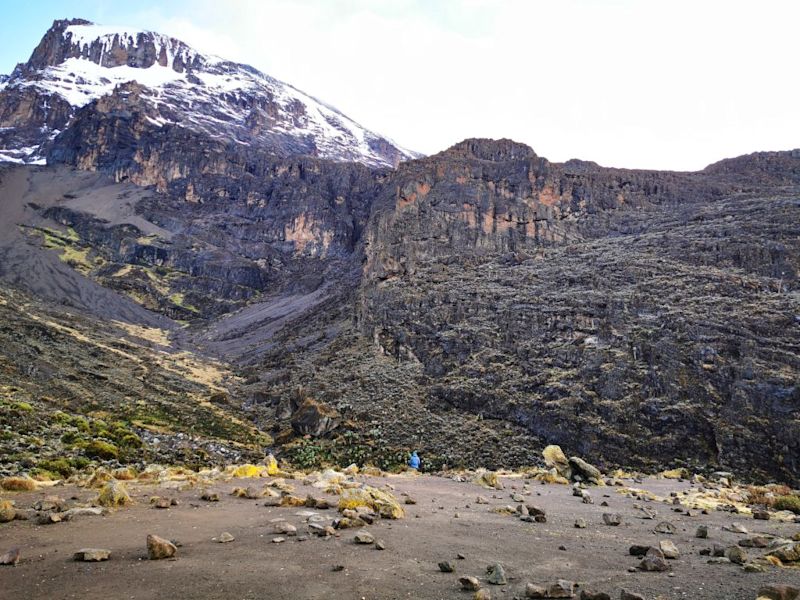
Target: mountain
<point x="78" y="62"/>
<point x="476" y="304"/>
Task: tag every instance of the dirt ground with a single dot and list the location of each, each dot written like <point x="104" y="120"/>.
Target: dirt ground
<point x="252" y="567"/>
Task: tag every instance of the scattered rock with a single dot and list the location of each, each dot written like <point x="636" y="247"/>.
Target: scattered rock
<point x="446" y="567"/>
<point x="593" y="595"/>
<point x="482" y="594"/>
<point x="158" y="548"/>
<point x="735" y="528"/>
<point x="7" y="511"/>
<point x="48" y="518"/>
<point x="757" y="541"/>
<point x="225" y="538"/>
<point x="380" y="545"/>
<point x="654" y="561"/>
<point x="161" y="502"/>
<point x="409" y="500"/>
<point x="638" y="550"/>
<point x="580" y="523"/>
<point x="702" y="532"/>
<point x="469" y="583"/>
<point x="92" y="555"/>
<point x="626" y="595"/>
<point x="665" y="527"/>
<point x="560" y="589"/>
<point x="209" y="496"/>
<point x="93" y="511"/>
<point x="669" y="549"/>
<point x="284" y="528"/>
<point x="496" y="574"/>
<point x="778" y="592"/>
<point x="761" y="514"/>
<point x="10" y="558"/>
<point x="612" y="519"/>
<point x="364" y="537"/>
<point x="789" y="553"/>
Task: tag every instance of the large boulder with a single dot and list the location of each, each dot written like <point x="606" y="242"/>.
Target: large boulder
<point x="379" y="501"/>
<point x="587" y="472"/>
<point x="113" y="495"/>
<point x="315" y="419"/>
<point x="555" y="458"/>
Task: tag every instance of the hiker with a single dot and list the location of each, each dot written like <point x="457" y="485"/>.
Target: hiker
<point x="414" y="461"/>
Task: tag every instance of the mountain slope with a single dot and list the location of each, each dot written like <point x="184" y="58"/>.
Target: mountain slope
<point x="78" y="62"/>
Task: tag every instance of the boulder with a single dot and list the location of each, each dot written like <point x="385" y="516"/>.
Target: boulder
<point x="488" y="479"/>
<point x="92" y="555"/>
<point x="379" y="501"/>
<point x="159" y="548"/>
<point x="779" y="592"/>
<point x="7" y="511"/>
<point x="594" y="595"/>
<point x="789" y="553"/>
<point x="469" y="583"/>
<point x="669" y="549"/>
<point x="555" y="458"/>
<point x="654" y="561"/>
<point x="10" y="558"/>
<point x="113" y="495"/>
<point x="496" y="574"/>
<point x="364" y="537"/>
<point x="586" y="471"/>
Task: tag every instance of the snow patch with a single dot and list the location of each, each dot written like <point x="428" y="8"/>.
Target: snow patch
<point x="79" y="81"/>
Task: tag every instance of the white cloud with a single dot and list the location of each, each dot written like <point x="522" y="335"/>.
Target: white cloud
<point x="673" y="84"/>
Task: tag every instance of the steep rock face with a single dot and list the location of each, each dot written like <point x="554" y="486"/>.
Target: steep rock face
<point x="484" y="197"/>
<point x="628" y="332"/>
<point x="78" y="62"/>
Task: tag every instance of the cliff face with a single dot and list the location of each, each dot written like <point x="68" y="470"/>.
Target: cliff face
<point x="614" y="312"/>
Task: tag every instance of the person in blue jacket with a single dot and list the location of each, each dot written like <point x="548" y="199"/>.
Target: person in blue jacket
<point x="414" y="461"/>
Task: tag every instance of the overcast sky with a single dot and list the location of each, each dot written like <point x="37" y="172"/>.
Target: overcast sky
<point x="671" y="84"/>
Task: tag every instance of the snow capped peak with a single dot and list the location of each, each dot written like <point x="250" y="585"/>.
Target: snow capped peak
<point x="78" y="62"/>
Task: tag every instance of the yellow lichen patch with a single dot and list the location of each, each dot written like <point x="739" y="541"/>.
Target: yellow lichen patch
<point x="555" y="458"/>
<point x="18" y="484"/>
<point x="773" y="560"/>
<point x="99" y="478"/>
<point x="290" y="500"/>
<point x="383" y="503"/>
<point x="549" y="476"/>
<point x="680" y="473"/>
<point x="272" y="465"/>
<point x="124" y="474"/>
<point x="248" y="471"/>
<point x="113" y="495"/>
<point x="504" y="510"/>
<point x="488" y="479"/>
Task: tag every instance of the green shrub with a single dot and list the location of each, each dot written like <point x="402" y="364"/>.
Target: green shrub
<point x="791" y="503"/>
<point x="101" y="449"/>
<point x="58" y="466"/>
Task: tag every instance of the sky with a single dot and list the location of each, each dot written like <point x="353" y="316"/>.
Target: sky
<point x="662" y="84"/>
